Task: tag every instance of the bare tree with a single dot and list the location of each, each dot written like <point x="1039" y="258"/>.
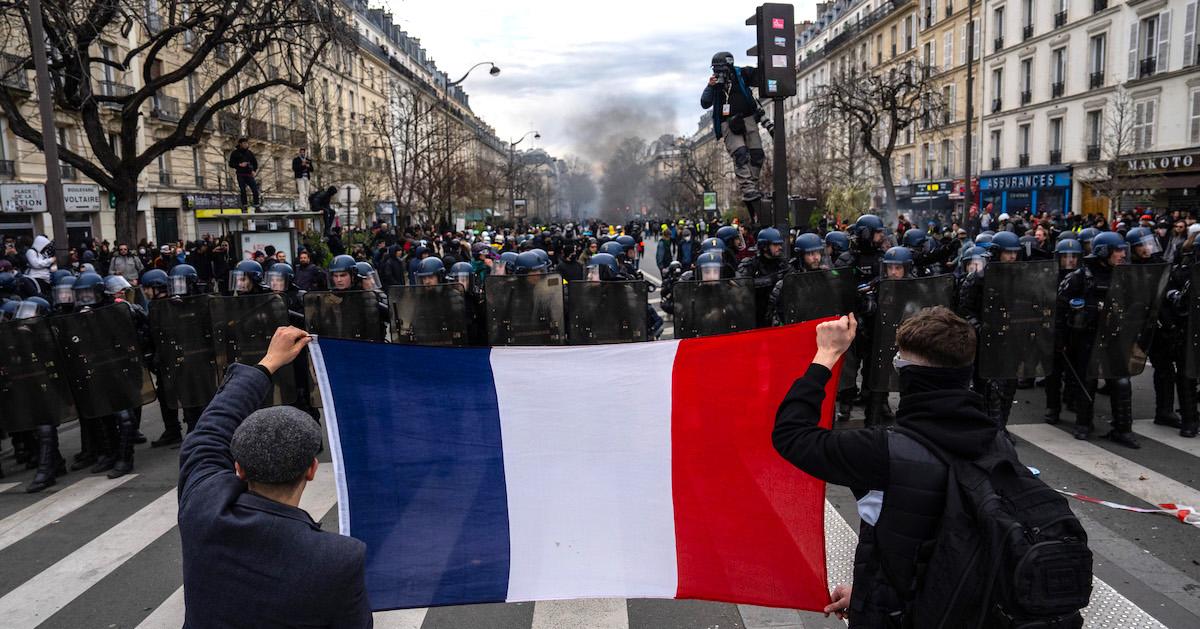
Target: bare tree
<point x="229" y="50"/>
<point x="1119" y="140"/>
<point x="877" y="108"/>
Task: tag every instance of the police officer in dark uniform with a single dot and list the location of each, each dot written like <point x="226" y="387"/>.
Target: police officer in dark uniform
<point x="1069" y="252"/>
<point x="998" y="394"/>
<point x="1174" y="324"/>
<point x="808" y="255"/>
<point x="1168" y="338"/>
<point x="1080" y="298"/>
<point x="766" y="268"/>
<point x="866" y="246"/>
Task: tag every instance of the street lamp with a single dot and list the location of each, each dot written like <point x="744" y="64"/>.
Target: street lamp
<point x="512" y="175"/>
<point x="494" y="71"/>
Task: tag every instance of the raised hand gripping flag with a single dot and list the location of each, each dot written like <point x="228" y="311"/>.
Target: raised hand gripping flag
<point x="642" y="470"/>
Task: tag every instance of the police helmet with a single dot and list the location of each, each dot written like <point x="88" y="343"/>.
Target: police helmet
<point x="898" y="255"/>
<point x="431" y="266"/>
<point x="183" y="279"/>
<point x="31" y="307"/>
<point x="1106" y="242"/>
<point x="1006" y="241"/>
<point x="1068" y="245"/>
<point x="64" y="290"/>
<point x="1143" y="237"/>
<point x="915" y="238"/>
<point x="975" y="258"/>
<point x="602" y="267"/>
<point x="279" y="277"/>
<point x="730" y="236"/>
<point x="155" y="278"/>
<point x="627" y="242"/>
<point x="807" y="243"/>
<point x="530" y="263"/>
<point x="1087" y="234"/>
<point x="462" y="272"/>
<point x="346" y="264"/>
<point x="89" y="289"/>
<point x="838" y="241"/>
<point x="507" y="263"/>
<point x="116" y="285"/>
<point x="1067" y="235"/>
<point x="368" y="279"/>
<point x="612" y="248"/>
<point x="984" y="239"/>
<point x="56" y="276"/>
<point x="710" y="266"/>
<point x="712" y="244"/>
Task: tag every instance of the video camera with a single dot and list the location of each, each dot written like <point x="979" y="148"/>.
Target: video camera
<point x="723" y="68"/>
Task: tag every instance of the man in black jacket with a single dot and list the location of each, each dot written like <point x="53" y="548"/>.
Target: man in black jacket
<point x="245" y="167"/>
<point x="251" y="556"/>
<point x="900" y="486"/>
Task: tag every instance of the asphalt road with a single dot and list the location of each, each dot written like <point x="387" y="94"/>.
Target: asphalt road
<point x="98" y="553"/>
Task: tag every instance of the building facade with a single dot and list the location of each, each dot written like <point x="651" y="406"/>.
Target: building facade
<point x="190" y="192"/>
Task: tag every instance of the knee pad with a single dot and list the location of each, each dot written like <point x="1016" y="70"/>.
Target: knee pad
<point x="757" y="157"/>
<point x="741" y="156"/>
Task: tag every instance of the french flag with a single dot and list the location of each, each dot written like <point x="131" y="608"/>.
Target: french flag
<point x="480" y="475"/>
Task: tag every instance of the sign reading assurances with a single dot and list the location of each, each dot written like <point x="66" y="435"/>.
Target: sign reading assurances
<point x="81" y="197"/>
<point x="1026" y="181"/>
<point x="22" y="198"/>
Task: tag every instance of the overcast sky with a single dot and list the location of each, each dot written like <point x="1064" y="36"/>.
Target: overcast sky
<point x="584" y="74"/>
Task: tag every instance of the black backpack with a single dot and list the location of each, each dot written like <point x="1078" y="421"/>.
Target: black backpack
<point x="1009" y="553"/>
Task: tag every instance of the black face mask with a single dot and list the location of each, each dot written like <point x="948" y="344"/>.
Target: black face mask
<point x="918" y="379"/>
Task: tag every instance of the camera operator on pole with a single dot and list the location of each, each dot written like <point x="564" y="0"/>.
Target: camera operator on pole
<point x="736" y="114"/>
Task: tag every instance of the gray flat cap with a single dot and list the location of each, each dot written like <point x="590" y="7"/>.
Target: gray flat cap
<point x="276" y="444"/>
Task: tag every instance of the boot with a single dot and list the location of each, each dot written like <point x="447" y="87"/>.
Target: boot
<point x="31" y="448"/>
<point x="1191" y="414"/>
<point x="171" y="433"/>
<point x="50" y="462"/>
<point x="138" y="437"/>
<point x="843" y="411"/>
<point x="127" y="428"/>
<point x="1124" y="438"/>
<point x="1122" y="409"/>
<point x="106" y="455"/>
<point x="1052" y="416"/>
<point x="21" y="452"/>
<point x="1164" y="400"/>
<point x="87" y="446"/>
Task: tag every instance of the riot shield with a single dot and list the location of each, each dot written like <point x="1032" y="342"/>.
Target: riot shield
<point x="1192" y="362"/>
<point x="606" y="312"/>
<point x="102" y="359"/>
<point x="1016" y="339"/>
<point x="429" y="315"/>
<point x="31" y="385"/>
<point x="242" y="328"/>
<point x="898" y="300"/>
<point x="183" y="351"/>
<point x="1127" y="320"/>
<point x="525" y="310"/>
<point x="718" y="307"/>
<point x="344" y="315"/>
<point x="817" y="295"/>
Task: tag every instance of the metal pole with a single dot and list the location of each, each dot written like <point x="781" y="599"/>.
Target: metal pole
<point x="968" y="141"/>
<point x="512" y="195"/>
<point x="347" y="206"/>
<point x="55" y="203"/>
<point x="779" y="172"/>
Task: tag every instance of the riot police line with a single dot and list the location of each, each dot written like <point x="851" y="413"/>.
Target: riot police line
<point x="1094" y="309"/>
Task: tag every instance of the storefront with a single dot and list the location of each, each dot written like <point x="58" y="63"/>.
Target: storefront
<point x="1167" y="180"/>
<point x="23" y="211"/>
<point x="1038" y="190"/>
<point x="930" y="201"/>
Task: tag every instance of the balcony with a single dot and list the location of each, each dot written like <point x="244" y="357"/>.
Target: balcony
<point x="1146" y="67"/>
<point x="67" y="172"/>
<point x="1023" y="160"/>
<point x="1099" y="5"/>
<point x="228" y="123"/>
<point x="8" y="168"/>
<point x="257" y="129"/>
<point x="115" y="89"/>
<point x="280" y="134"/>
<point x="995" y="105"/>
<point x="949" y="9"/>
<point x="299" y="138"/>
<point x="12" y="68"/>
<point x="1093" y="152"/>
<point x="928" y="17"/>
<point x="1026" y="97"/>
<point x="330" y="154"/>
<point x="221" y="52"/>
<point x="164" y="178"/>
<point x="1060" y="19"/>
<point x="1056" y="157"/>
<point x="1026" y="32"/>
<point x="995" y="163"/>
<point x="851" y="32"/>
<point x="344" y="156"/>
<point x="154" y="23"/>
<point x="998" y="44"/>
<point x="166" y="108"/>
<point x="1096" y="79"/>
<point x="1057" y="88"/>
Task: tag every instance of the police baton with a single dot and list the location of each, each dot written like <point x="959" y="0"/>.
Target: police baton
<point x="1082" y="386"/>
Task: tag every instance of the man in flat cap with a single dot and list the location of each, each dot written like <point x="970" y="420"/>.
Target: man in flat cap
<point x="251" y="556"/>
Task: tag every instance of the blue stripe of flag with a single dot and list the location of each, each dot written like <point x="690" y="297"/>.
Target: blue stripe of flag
<point x="420" y="437"/>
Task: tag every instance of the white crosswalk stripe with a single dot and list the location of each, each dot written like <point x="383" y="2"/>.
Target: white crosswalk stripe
<point x="7" y="486"/>
<point x="19" y="525"/>
<point x="1168" y="436"/>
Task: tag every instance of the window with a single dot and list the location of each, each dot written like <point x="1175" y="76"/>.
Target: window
<point x="995" y="148"/>
<point x="906" y="166"/>
<point x="997" y="89"/>
<point x="114" y="143"/>
<point x="1058" y="65"/>
<point x="1023" y="140"/>
<point x="1055" y="137"/>
<point x="948" y="103"/>
<point x="1027" y="18"/>
<point x="1096" y="52"/>
<point x="1026" y="80"/>
<point x="894" y="40"/>
<point x="293" y="117"/>
<point x="947" y="158"/>
<point x="908" y="30"/>
<point x="1144" y="115"/>
<point x="927" y="153"/>
<point x="998" y="23"/>
<point x="930" y="58"/>
<point x="948" y="49"/>
<point x="198" y="167"/>
<point x="1194" y="117"/>
<point x="1149" y="45"/>
<point x="1093" y="130"/>
<point x="879" y="49"/>
<point x="162" y="163"/>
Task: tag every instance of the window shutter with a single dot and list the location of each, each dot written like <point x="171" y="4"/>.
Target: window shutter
<point x="1164" y="36"/>
<point x="948" y="50"/>
<point x="1189" y="35"/>
<point x="975" y="48"/>
<point x="1195" y="117"/>
<point x="962" y="53"/>
<point x="1133" y="49"/>
<point x="1151" y="105"/>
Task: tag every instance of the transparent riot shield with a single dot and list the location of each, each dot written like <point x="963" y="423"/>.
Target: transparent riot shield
<point x="606" y="312"/>
<point x="525" y="310"/>
<point x="1017" y="316"/>
<point x="102" y="359"/>
<point x="344" y="315"/>
<point x="184" y="353"/>
<point x="429" y="315"/>
<point x="716" y="307"/>
<point x="31" y="383"/>
<point x="1192" y="362"/>
<point x="898" y="300"/>
<point x="242" y="329"/>
<point x="817" y="295"/>
<point x="1127" y="319"/>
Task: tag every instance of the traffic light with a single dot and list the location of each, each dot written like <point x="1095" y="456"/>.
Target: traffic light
<point x="776" y="49"/>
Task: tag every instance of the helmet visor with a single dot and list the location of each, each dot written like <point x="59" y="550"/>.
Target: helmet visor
<point x="498" y="267"/>
<point x="593" y="273"/>
<point x="464" y="279"/>
<point x="710" y="272"/>
<point x="370" y="281"/>
<point x="1146" y="246"/>
<point x="277" y="281"/>
<point x="1068" y="261"/>
<point x="976" y="265"/>
<point x="87" y="297"/>
<point x="26" y="310"/>
<point x="179" y="285"/>
<point x="241" y="282"/>
<point x="64" y="295"/>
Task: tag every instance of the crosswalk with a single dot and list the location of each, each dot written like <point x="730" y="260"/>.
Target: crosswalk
<point x="1146" y="582"/>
